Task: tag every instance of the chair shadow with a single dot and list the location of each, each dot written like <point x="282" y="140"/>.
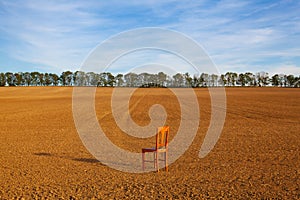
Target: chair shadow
<point x="93" y="161"/>
<point x="42" y="154"/>
<point x="86" y="160"/>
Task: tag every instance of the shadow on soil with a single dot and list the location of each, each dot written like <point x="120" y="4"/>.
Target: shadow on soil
<point x="86" y="160"/>
<point x="42" y="154"/>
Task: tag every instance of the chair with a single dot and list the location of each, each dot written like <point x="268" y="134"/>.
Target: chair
<point x="161" y="147"/>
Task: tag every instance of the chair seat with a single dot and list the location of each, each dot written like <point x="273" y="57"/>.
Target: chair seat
<point x="152" y="149"/>
<point x="148" y="149"/>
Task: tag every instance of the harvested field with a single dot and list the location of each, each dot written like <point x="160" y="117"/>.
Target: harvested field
<point x="257" y="155"/>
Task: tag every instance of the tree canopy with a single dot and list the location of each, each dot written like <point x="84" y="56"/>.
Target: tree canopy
<point x="107" y="79"/>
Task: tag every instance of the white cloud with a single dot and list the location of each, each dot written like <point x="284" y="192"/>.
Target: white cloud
<point x="286" y="69"/>
<point x="51" y="34"/>
<point x="239" y="35"/>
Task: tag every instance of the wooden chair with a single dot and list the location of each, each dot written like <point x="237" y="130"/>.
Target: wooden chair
<point x="162" y="137"/>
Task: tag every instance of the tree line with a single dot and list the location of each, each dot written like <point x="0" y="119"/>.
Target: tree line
<point x="107" y="79"/>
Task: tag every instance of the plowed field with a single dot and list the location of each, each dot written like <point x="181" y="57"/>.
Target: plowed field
<point x="257" y="155"/>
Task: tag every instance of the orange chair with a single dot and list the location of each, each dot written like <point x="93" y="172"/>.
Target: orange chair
<point x="162" y="137"/>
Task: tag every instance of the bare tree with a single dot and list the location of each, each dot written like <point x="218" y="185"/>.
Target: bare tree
<point x="222" y="80"/>
<point x="188" y="80"/>
<point x="213" y="80"/>
<point x="79" y="78"/>
<point x="204" y="78"/>
<point x="28" y="78"/>
<point x="290" y="80"/>
<point x="119" y="80"/>
<point x="131" y="79"/>
<point x="10" y="78"/>
<point x="250" y="79"/>
<point x="67" y="78"/>
<point x="19" y="79"/>
<point x="2" y="79"/>
<point x="178" y="80"/>
<point x="54" y="79"/>
<point x="282" y="80"/>
<point x="275" y="80"/>
<point x="242" y="79"/>
<point x="231" y="78"/>
<point x="162" y="78"/>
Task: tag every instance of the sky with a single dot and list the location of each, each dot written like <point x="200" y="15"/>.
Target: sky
<point x="237" y="35"/>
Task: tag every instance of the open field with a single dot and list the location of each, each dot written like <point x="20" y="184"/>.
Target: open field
<point x="257" y="155"/>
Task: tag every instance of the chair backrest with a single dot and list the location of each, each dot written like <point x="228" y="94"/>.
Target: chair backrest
<point x="162" y="137"/>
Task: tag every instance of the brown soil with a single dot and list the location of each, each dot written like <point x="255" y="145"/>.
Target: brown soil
<point x="257" y="155"/>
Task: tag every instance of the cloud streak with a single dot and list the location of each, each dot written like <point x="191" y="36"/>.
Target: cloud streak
<point x="239" y="35"/>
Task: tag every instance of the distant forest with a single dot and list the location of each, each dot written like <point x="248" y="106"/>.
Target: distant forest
<point x="107" y="79"/>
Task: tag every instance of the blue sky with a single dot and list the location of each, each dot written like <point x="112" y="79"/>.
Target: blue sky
<point x="238" y="35"/>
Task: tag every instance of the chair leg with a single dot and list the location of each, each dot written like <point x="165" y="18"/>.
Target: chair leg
<point x="166" y="161"/>
<point x="157" y="161"/>
<point x="143" y="161"/>
<point x="154" y="163"/>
